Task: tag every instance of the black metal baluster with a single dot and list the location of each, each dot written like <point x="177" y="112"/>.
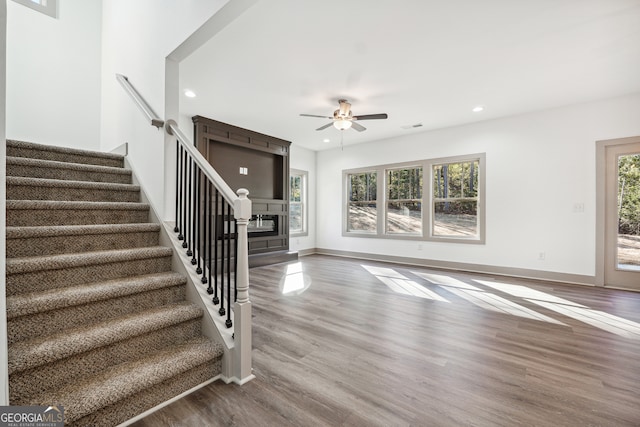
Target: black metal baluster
<point x="195" y="214"/>
<point x="223" y="250"/>
<point x="228" y="321"/>
<point x="199" y="246"/>
<point x="182" y="183"/>
<point x="176" y="229"/>
<point x="216" y="300"/>
<point x="205" y="221"/>
<point x="187" y="231"/>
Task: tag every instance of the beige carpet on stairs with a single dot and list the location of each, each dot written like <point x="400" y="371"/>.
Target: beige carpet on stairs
<point x="97" y="321"/>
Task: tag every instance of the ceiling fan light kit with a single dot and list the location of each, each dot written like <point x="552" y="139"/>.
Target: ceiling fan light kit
<point x="344" y="119"/>
<point x="342" y="124"/>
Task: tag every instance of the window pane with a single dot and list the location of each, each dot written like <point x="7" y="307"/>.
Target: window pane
<point x="362" y="207"/>
<point x="456" y="180"/>
<point x="628" y="212"/>
<point x="457" y="218"/>
<point x="404" y="217"/>
<point x="297" y="202"/>
<point x="455" y="199"/>
<point x="295" y="218"/>
<point x="404" y="200"/>
<point x="296" y="188"/>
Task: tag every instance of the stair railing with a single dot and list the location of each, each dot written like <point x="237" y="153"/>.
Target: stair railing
<point x="211" y="222"/>
<point x="140" y="102"/>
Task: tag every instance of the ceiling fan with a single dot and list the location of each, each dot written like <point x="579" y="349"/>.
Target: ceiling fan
<point x="343" y="118"/>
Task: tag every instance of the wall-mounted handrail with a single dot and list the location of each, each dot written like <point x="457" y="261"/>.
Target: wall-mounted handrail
<point x="226" y="191"/>
<point x="151" y="116"/>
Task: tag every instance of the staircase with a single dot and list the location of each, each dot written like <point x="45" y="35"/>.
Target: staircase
<point x="97" y="321"/>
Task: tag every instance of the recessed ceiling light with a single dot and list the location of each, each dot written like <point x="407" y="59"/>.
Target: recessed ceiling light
<point x="478" y="109"/>
<point x="189" y="93"/>
<point x="326" y="140"/>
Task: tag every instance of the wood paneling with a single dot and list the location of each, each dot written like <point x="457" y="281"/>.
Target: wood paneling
<point x="229" y="148"/>
<point x="350" y="350"/>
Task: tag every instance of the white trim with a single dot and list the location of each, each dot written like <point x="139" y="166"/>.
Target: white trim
<point x="523" y="273"/>
<point x="50" y="7"/>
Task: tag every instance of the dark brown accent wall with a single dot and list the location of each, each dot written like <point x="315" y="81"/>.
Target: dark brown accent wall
<point x="229" y="148"/>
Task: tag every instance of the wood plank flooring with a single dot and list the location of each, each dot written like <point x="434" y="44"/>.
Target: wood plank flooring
<point x="374" y="344"/>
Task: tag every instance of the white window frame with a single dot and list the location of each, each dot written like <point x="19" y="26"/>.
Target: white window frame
<point x="427" y="201"/>
<point x="304" y="178"/>
<point x="386" y="201"/>
<point x="345" y="211"/>
<point x="429" y="222"/>
<point x="48" y="7"/>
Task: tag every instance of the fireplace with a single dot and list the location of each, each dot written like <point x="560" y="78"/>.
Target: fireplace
<point x="263" y="225"/>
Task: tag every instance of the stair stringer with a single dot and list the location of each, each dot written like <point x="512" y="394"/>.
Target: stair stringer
<point x="212" y="327"/>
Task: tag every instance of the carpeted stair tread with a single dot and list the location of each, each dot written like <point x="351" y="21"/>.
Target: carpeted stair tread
<point x="26" y="241"/>
<point x="51" y="169"/>
<point x="36" y="274"/>
<point x="128" y="379"/>
<point x="64" y="261"/>
<point x="42" y="350"/>
<point x="51" y="213"/>
<point x="62" y="154"/>
<point x="79" y="230"/>
<point x="55" y="299"/>
<point x="28" y="188"/>
<point x="150" y="397"/>
<point x="74" y="205"/>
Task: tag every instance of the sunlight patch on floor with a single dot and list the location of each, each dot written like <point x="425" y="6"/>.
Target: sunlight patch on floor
<point x="484" y="299"/>
<point x="294" y="281"/>
<point x="488" y="300"/>
<point x="526" y="292"/>
<point x="401" y="284"/>
<point x="599" y="319"/>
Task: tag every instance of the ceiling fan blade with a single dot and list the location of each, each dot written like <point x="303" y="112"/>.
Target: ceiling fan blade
<point x="358" y="126"/>
<point x="313" y="115"/>
<point x="371" y="117"/>
<point x="325" y="126"/>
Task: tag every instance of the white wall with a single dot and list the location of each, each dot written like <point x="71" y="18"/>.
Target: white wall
<point x="53" y="74"/>
<point x="303" y="159"/>
<point x="538" y="166"/>
<point x="137" y="37"/>
<point x="4" y="372"/>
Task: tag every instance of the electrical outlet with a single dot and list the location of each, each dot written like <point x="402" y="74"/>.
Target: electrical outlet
<point x="419" y="246"/>
<point x="541" y="256"/>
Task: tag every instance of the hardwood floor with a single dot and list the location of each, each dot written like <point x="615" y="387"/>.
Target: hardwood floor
<point x="454" y="350"/>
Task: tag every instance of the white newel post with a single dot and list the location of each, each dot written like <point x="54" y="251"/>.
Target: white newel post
<point x="242" y="307"/>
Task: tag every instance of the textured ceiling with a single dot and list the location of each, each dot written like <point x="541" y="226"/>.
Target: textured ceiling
<point x="420" y="61"/>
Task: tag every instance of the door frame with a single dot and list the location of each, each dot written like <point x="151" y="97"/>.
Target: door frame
<point x="601" y="169"/>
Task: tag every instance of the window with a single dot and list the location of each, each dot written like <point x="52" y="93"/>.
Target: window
<point x="434" y="199"/>
<point x="298" y="202"/>
<point x="48" y="7"/>
<point x="404" y="200"/>
<point x="455" y="199"/>
<point x="362" y="206"/>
